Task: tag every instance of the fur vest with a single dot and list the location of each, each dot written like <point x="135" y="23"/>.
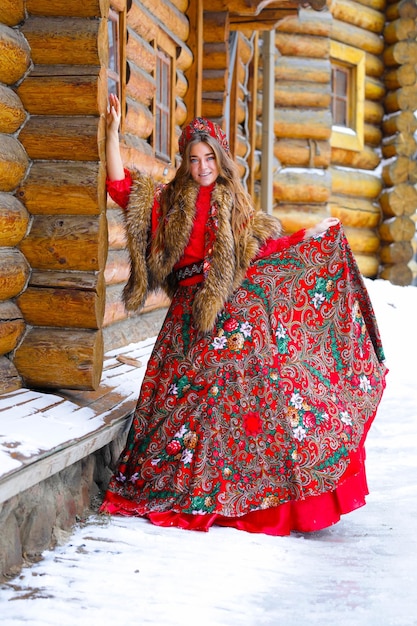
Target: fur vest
<point x="225" y="267"/>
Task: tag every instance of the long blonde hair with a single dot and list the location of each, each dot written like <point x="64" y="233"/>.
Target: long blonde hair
<point x="242" y="206"/>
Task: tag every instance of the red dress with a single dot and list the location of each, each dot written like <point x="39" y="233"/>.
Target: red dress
<point x="261" y="423"/>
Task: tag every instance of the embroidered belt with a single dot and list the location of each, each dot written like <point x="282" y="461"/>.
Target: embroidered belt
<point x="189" y="270"/>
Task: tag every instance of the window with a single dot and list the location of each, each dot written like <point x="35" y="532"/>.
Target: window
<point x="116" y="65"/>
<point x="163" y="106"/>
<point x="348" y="95"/>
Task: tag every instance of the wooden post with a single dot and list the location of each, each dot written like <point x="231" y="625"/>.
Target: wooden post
<point x="268" y="56"/>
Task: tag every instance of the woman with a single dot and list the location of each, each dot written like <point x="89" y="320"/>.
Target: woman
<point x="267" y="372"/>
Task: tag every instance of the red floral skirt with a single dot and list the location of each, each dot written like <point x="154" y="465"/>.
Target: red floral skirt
<point x="261" y="423"/>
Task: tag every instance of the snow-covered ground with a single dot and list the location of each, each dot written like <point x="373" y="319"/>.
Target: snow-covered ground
<point x="360" y="572"/>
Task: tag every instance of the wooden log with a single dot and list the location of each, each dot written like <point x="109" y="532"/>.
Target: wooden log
<point x="399" y="228"/>
<point x="114" y="310"/>
<point x="373" y="112"/>
<point x="12" y="327"/>
<point x="399" y="145"/>
<point x="293" y="217"/>
<point x="87" y="281"/>
<point x="374" y="88"/>
<point x="357" y="37"/>
<point x="403" y="99"/>
<point x="400" y="122"/>
<point x="9" y="377"/>
<point x="301" y="69"/>
<point x="374" y="65"/>
<point x="56" y="188"/>
<point x="400" y="53"/>
<point x="169" y="15"/>
<point x="368" y="264"/>
<point x="140" y="86"/>
<point x="62" y="138"/>
<point x="12" y="112"/>
<point x="181" y="84"/>
<point x="141" y="21"/>
<point x="61" y="308"/>
<point x="72" y="95"/>
<point x="303" y="123"/>
<point x="362" y="240"/>
<point x="309" y="46"/>
<point x="216" y="56"/>
<point x="14" y="220"/>
<point x="139" y="119"/>
<point x="216" y="26"/>
<point x="302" y="94"/>
<point x="68" y="8"/>
<point x="13" y="162"/>
<point x="140" y="52"/>
<point x="403" y="76"/>
<point x="400" y="30"/>
<point x="372" y="135"/>
<point x="355" y="212"/>
<point x="379" y="5"/>
<point x="55" y="358"/>
<point x="399" y="274"/>
<point x="117" y="268"/>
<point x="399" y="200"/>
<point x="214" y="80"/>
<point x="116" y="229"/>
<point x="357" y="184"/>
<point x="14" y="55"/>
<point x="399" y="170"/>
<point x="66" y="242"/>
<point x="301" y="187"/>
<point x="306" y="22"/>
<point x="404" y="9"/>
<point x="365" y="159"/>
<point x="180" y="115"/>
<point x="397" y="252"/>
<point x="301" y="152"/>
<point x="12" y="12"/>
<point x="365" y="17"/>
<point x="213" y="105"/>
<point x="66" y="40"/>
<point x="14" y="273"/>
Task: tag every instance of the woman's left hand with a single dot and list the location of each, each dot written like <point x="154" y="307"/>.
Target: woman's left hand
<point x="321" y="227"/>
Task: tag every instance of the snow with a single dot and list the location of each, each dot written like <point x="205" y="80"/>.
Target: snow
<point x="360" y="572"/>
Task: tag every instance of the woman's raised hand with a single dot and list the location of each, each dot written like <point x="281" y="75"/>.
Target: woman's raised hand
<point x="113" y="114"/>
<point x="321" y="227"/>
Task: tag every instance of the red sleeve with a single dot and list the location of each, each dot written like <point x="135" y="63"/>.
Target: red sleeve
<point x="119" y="190"/>
<point x="275" y="245"/>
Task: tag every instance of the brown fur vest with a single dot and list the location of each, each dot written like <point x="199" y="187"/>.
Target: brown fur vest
<point x="151" y="269"/>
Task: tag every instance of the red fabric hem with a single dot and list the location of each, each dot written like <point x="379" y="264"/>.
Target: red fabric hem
<point x="309" y="515"/>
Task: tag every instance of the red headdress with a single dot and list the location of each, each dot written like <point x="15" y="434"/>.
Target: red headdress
<point x="200" y="125"/>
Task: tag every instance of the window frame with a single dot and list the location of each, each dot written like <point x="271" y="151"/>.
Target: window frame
<point x="117" y="17"/>
<point x="164" y="46"/>
<point x="350" y="137"/>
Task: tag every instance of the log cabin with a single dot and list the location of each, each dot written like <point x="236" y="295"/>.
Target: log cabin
<point x="318" y="100"/>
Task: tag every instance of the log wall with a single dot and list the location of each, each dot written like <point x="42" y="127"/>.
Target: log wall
<point x="149" y="24"/>
<point x="63" y="94"/>
<point x="399" y="146"/>
<point x="315" y="177"/>
<point x="356" y="183"/>
<point x="302" y="125"/>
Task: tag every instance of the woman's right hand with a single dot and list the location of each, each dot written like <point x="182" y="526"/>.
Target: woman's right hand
<point x="113" y="114"/>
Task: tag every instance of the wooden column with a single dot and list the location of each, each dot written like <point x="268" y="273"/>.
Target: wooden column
<point x="14" y="218"/>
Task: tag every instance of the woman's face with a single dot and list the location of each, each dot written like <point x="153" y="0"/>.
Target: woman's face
<point x="203" y="165"/>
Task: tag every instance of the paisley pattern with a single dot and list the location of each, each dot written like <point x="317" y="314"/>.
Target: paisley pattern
<point x="272" y="406"/>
